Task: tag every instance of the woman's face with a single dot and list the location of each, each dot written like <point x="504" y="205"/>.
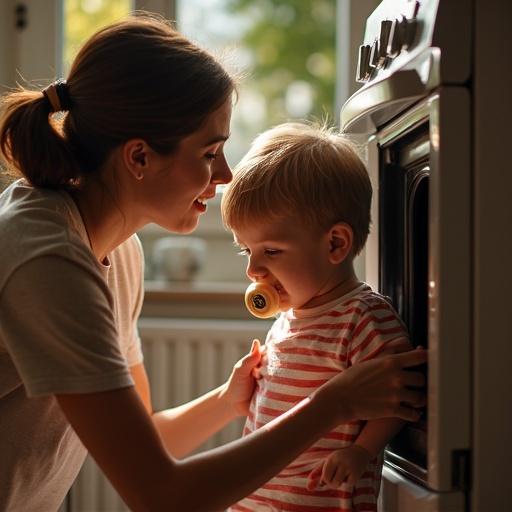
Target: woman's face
<point x="179" y="185"/>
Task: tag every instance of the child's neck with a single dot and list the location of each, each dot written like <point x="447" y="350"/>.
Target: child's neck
<point x="346" y="282"/>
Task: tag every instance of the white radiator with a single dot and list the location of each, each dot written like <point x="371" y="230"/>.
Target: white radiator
<point x="184" y="358"/>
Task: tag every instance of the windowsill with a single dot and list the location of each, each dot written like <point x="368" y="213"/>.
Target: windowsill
<point x="196" y="299"/>
<point x="197" y="291"/>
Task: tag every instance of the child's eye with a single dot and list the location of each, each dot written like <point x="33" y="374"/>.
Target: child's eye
<point x="272" y="252"/>
<point x="243" y="251"/>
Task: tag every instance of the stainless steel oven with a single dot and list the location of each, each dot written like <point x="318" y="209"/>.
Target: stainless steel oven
<point x="416" y="113"/>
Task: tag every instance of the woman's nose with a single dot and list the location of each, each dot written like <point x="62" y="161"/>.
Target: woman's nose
<point x="221" y="171"/>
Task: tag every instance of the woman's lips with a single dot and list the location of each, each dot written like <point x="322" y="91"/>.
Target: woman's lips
<point x="200" y="204"/>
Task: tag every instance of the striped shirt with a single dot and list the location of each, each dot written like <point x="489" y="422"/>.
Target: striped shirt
<point x="304" y="350"/>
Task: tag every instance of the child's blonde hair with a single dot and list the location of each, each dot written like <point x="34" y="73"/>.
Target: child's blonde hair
<point x="302" y="171"/>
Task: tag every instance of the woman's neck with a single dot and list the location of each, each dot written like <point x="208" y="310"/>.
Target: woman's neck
<point x="104" y="220"/>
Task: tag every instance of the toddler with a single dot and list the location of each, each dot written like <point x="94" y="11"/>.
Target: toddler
<point x="299" y="210"/>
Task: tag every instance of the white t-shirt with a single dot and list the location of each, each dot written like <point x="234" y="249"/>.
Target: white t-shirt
<point x="68" y="324"/>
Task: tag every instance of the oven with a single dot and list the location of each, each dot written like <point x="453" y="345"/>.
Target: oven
<point x="414" y="114"/>
<point x="421" y="258"/>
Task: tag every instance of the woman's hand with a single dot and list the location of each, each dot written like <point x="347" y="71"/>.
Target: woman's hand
<point x="380" y="388"/>
<point x="240" y="386"/>
<point x="342" y="466"/>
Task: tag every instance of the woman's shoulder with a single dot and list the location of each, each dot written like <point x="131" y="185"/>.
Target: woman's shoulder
<point x="37" y="222"/>
<point x="33" y="208"/>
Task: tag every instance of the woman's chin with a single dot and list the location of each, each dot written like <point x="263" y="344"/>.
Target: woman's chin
<point x="186" y="230"/>
<point x="183" y="228"/>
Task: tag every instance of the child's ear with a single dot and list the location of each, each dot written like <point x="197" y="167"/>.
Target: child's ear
<point x="341" y="238"/>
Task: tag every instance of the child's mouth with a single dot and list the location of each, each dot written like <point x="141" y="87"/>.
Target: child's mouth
<point x="279" y="288"/>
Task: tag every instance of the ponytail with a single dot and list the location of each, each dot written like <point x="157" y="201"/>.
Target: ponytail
<point x="32" y="144"/>
<point x="137" y="78"/>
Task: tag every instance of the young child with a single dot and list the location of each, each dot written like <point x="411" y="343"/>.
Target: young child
<point x="299" y="209"/>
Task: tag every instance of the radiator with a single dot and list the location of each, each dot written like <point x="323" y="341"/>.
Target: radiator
<point x="184" y="358"/>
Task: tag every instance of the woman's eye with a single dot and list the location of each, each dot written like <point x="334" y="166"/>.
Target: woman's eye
<point x="210" y="156"/>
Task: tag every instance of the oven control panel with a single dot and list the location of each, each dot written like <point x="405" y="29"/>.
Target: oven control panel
<point x="398" y="31"/>
<point x="396" y="34"/>
<point x="410" y="48"/>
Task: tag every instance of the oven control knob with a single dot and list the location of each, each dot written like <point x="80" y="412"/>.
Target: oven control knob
<point x="395" y="39"/>
<point x="385" y="31"/>
<point x="363" y="64"/>
<point x="408" y="28"/>
<point x="374" y="54"/>
<point x="262" y="300"/>
<point x="412" y="9"/>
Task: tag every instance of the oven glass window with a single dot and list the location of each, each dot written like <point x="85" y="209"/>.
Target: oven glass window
<point x="403" y="266"/>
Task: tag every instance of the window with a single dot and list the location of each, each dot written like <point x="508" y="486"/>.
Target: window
<point x="285" y="51"/>
<point x="84" y="17"/>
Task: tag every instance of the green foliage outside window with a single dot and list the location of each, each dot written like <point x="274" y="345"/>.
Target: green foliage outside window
<point x="293" y="48"/>
<point x="84" y="17"/>
<point x="287" y="53"/>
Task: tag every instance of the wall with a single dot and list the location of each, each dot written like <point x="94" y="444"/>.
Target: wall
<point x="6" y="37"/>
<point x="30" y="52"/>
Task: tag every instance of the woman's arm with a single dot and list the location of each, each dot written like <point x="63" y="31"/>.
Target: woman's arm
<point x="140" y="378"/>
<point x="118" y="432"/>
<point x="186" y="427"/>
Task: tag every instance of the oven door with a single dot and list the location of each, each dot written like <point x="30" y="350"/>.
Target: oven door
<point x="419" y="255"/>
<point x="403" y="196"/>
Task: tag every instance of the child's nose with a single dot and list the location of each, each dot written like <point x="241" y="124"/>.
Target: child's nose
<point x="255" y="270"/>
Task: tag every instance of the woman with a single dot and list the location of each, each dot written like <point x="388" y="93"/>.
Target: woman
<point x="142" y="141"/>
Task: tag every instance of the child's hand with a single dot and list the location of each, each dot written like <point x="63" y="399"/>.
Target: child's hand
<point x="345" y="465"/>
<point x="239" y="388"/>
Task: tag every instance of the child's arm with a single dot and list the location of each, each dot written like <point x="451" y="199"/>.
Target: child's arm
<point x="348" y="464"/>
<point x="377" y="433"/>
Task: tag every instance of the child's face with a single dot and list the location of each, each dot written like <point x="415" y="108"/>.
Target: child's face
<point x="291" y="258"/>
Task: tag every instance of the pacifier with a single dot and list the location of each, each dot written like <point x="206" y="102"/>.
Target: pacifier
<point x="262" y="300"/>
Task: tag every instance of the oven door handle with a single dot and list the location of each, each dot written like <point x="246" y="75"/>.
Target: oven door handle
<point x="377" y="102"/>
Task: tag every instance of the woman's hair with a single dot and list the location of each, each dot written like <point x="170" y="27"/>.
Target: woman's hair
<point x="138" y="78"/>
<point x="308" y="173"/>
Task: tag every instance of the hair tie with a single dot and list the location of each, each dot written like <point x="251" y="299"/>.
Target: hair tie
<point x="57" y="94"/>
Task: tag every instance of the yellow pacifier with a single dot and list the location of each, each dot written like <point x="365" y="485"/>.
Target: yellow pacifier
<point x="262" y="300"/>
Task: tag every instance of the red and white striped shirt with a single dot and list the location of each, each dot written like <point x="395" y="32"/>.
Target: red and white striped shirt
<point x="304" y="350"/>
